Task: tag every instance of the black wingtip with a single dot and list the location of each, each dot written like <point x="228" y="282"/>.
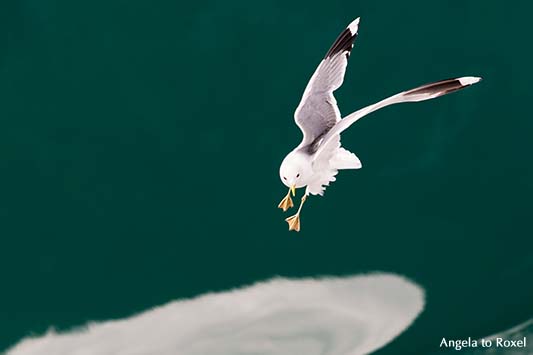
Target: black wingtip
<point x="442" y="87"/>
<point x="345" y="41"/>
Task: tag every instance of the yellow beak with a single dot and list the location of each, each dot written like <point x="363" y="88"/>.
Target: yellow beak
<point x="293" y="190"/>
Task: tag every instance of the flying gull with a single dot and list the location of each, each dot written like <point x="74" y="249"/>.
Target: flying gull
<point x="314" y="163"/>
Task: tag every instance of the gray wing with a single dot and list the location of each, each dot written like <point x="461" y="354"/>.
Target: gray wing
<point x="317" y="112"/>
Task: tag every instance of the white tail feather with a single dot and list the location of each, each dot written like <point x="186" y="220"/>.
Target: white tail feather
<point x="344" y="159"/>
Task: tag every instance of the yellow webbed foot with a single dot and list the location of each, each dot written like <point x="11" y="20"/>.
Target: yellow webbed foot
<point x="286" y="203"/>
<point x="294" y="222"/>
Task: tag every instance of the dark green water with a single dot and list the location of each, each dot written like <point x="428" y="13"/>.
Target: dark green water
<point x="140" y="144"/>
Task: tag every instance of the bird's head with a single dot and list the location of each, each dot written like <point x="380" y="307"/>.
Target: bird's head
<point x="295" y="170"/>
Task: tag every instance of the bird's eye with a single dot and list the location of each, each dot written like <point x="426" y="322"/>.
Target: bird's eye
<point x="298" y="175"/>
<point x="284" y="178"/>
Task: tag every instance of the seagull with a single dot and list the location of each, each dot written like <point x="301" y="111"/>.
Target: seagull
<point x="315" y="162"/>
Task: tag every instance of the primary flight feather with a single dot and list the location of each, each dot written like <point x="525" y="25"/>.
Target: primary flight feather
<point x="314" y="163"/>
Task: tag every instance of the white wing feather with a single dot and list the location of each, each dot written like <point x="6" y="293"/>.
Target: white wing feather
<point x="317" y="112"/>
<point x="421" y="93"/>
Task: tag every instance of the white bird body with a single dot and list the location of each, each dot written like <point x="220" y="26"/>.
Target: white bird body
<point x="318" y="173"/>
<point x="318" y="158"/>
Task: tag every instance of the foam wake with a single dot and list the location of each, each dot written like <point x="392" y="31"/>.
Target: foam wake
<point x="351" y="315"/>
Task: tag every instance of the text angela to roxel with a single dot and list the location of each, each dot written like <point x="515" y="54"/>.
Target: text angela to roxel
<point x="459" y="344"/>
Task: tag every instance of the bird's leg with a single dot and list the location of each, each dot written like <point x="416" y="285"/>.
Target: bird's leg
<point x="286" y="203"/>
<point x="294" y="221"/>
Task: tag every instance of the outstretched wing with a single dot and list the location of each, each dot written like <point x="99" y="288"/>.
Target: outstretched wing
<point x="421" y="93"/>
<point x="317" y="112"/>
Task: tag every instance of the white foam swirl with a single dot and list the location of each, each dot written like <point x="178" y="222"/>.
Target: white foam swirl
<point x="352" y="315"/>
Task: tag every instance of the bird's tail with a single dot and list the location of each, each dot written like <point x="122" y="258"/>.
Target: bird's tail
<point x="344" y="159"/>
